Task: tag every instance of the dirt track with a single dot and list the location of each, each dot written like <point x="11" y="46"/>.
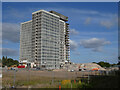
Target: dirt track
<point x="34" y="78"/>
<point x="59" y="74"/>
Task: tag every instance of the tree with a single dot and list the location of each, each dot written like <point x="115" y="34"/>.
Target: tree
<point x="9" y="61"/>
<point x="0" y="63"/>
<point x="104" y="64"/>
<point x="4" y="61"/>
<point x="3" y="58"/>
<point x="93" y="62"/>
<point x="118" y="61"/>
<point x="119" y="57"/>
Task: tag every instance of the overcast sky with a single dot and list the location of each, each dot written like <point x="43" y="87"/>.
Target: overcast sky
<point x="93" y="28"/>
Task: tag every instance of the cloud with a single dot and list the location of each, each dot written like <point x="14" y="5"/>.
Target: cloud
<point x="14" y="14"/>
<point x="107" y="24"/>
<point x="0" y="37"/>
<point x="0" y="42"/>
<point x="73" y="32"/>
<point x="9" y="52"/>
<point x="95" y="44"/>
<point x="73" y="45"/>
<point x="98" y="49"/>
<point x="88" y="20"/>
<point x="99" y="33"/>
<point x="110" y="22"/>
<point x="85" y="16"/>
<point x="76" y="53"/>
<point x="91" y="12"/>
<point x="11" y="32"/>
<point x="107" y="20"/>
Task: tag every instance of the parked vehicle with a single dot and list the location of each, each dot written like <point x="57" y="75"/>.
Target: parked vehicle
<point x="14" y="68"/>
<point x="21" y="66"/>
<point x="82" y="69"/>
<point x="38" y="68"/>
<point x="72" y="70"/>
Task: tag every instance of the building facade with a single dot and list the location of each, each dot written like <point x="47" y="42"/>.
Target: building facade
<point x="45" y="39"/>
<point x="26" y="41"/>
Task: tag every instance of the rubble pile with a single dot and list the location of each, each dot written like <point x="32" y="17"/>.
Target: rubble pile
<point x="82" y="66"/>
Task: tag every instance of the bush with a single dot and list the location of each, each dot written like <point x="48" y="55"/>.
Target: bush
<point x="69" y="84"/>
<point x="9" y="62"/>
<point x="64" y="82"/>
<point x="83" y="85"/>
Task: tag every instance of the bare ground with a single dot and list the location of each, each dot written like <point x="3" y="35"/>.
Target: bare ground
<point x="38" y="79"/>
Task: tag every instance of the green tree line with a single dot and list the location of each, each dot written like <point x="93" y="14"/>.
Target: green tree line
<point x="105" y="64"/>
<point x="8" y="62"/>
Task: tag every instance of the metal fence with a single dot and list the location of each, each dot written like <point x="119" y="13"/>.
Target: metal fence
<point x="25" y="78"/>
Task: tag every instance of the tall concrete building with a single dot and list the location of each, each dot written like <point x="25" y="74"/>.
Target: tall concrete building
<point x="45" y="39"/>
<point x="26" y="41"/>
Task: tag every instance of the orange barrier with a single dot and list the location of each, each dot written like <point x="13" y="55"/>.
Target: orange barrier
<point x="59" y="87"/>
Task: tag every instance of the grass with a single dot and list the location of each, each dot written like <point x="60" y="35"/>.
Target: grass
<point x="24" y="79"/>
<point x="48" y="79"/>
<point x="75" y="84"/>
<point x="104" y="82"/>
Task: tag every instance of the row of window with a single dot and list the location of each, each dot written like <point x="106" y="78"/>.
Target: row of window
<point x="50" y="47"/>
<point x="50" y="50"/>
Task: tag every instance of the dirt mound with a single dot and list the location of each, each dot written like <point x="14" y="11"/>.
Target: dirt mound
<point x="90" y="66"/>
<point x="86" y="66"/>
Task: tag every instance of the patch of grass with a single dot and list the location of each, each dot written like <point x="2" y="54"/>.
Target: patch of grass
<point x="36" y="79"/>
<point x="84" y="85"/>
<point x="76" y="85"/>
<point x="104" y="82"/>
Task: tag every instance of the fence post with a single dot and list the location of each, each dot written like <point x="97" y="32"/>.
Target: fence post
<point x="71" y="85"/>
<point x="14" y="79"/>
<point x="53" y="77"/>
<point x="88" y="77"/>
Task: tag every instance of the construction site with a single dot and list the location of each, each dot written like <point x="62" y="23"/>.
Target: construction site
<point x="45" y="58"/>
<point x="68" y="77"/>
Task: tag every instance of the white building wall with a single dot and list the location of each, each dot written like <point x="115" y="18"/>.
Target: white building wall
<point x="47" y="50"/>
<point x="26" y="41"/>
